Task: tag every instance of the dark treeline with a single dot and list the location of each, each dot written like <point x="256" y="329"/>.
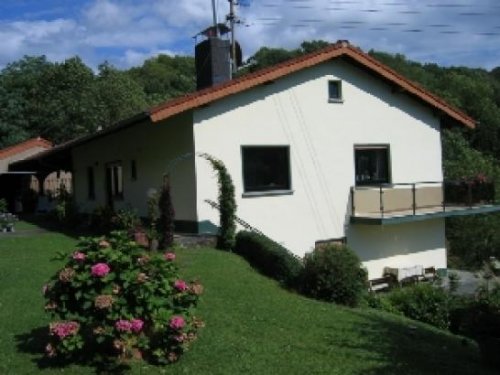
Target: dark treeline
<point x="60" y="101"/>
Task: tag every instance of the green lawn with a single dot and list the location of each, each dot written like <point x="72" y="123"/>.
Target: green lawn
<point x="252" y="325"/>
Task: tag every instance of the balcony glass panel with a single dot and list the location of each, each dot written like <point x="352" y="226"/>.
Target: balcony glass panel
<point x="433" y="199"/>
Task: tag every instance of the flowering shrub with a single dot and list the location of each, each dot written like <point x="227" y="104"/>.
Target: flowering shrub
<point x="112" y="297"/>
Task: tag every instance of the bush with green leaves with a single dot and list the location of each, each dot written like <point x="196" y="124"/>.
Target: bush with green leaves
<point x="125" y="219"/>
<point x="270" y="258"/>
<point x="423" y="302"/>
<point x="333" y="273"/>
<point x="114" y="298"/>
<point x="3" y="206"/>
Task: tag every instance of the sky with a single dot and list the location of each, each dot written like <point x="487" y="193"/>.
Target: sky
<point x="126" y="32"/>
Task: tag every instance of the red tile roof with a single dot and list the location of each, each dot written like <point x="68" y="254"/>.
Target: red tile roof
<point x="24" y="146"/>
<point x="334" y="51"/>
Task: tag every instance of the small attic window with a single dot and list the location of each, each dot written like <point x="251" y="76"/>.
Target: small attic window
<point x="335" y="91"/>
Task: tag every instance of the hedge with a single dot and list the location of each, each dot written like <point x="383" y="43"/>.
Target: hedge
<point x="268" y="257"/>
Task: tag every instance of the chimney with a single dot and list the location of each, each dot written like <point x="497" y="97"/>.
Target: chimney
<point x="212" y="62"/>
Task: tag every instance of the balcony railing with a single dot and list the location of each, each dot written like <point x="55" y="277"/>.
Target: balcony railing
<point x="389" y="200"/>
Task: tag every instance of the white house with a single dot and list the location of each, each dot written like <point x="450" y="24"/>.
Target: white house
<point x="328" y="146"/>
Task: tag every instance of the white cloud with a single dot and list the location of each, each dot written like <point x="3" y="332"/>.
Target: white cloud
<point x="134" y="57"/>
<point x="121" y="31"/>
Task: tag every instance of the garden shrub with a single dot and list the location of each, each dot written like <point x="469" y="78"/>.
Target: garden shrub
<point x="166" y="221"/>
<point x="3" y="205"/>
<point x="125" y="219"/>
<point x="423" y="302"/>
<point x="333" y="273"/>
<point x="114" y="298"/>
<point x="270" y="258"/>
<point x="378" y="301"/>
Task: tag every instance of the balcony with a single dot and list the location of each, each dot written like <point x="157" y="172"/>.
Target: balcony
<point x="399" y="203"/>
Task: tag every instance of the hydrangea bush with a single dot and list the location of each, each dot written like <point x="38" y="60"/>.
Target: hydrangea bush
<point x="115" y="298"/>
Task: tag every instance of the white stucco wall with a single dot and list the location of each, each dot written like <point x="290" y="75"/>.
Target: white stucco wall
<point x="295" y="111"/>
<point x="152" y="146"/>
<point x="399" y="245"/>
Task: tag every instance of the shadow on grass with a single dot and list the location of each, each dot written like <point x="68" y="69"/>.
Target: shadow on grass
<point x="407" y="347"/>
<point x="34" y="343"/>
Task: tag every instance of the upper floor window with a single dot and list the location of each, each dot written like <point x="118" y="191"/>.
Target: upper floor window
<point x="335" y="91"/>
<point x="372" y="165"/>
<point x="266" y="168"/>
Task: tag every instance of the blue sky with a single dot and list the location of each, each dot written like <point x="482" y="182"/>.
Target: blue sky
<point x="125" y="32"/>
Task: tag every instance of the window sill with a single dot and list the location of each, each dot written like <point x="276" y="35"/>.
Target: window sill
<point x="332" y="100"/>
<point x="254" y="194"/>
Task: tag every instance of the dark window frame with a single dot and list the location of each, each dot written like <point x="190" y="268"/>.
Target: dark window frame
<point x="338" y="98"/>
<point x="281" y="189"/>
<point x="133" y="170"/>
<point x="387" y="179"/>
<point x="116" y="181"/>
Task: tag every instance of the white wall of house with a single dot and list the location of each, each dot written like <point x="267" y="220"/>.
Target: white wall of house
<point x="153" y="147"/>
<point x="295" y="111"/>
<point x="399" y="245"/>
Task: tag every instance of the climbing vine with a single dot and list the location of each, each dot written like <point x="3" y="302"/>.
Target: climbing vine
<point x="227" y="204"/>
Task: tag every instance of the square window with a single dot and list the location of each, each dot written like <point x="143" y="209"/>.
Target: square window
<point x="372" y="165"/>
<point x="266" y="168"/>
<point x="335" y="91"/>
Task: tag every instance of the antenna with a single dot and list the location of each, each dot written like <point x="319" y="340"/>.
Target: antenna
<point x="231" y="17"/>
<point x="216" y="21"/>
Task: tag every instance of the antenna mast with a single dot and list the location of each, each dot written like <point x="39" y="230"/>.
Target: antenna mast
<point x="232" y="21"/>
<point x="216" y="21"/>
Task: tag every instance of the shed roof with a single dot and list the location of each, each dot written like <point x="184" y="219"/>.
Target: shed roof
<point x="24" y="146"/>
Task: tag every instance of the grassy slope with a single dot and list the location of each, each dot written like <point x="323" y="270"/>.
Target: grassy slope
<point x="253" y="326"/>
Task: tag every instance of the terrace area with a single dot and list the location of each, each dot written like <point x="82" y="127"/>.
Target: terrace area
<point x="398" y="203"/>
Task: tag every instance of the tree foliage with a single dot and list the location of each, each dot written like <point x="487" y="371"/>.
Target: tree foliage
<point x="164" y="77"/>
<point x="60" y="101"/>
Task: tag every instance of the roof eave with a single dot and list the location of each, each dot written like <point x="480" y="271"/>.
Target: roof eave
<point x="244" y="83"/>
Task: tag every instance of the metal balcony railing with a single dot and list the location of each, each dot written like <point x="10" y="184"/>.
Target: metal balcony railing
<point x="419" y="198"/>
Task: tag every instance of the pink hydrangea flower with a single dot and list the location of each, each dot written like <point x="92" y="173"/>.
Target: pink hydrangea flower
<point x="64" y="329"/>
<point x="136" y="325"/>
<point x="180" y="285"/>
<point x="170" y="256"/>
<point x="177" y="322"/>
<point x="100" y="269"/>
<point x="123" y="325"/>
<point x="79" y="256"/>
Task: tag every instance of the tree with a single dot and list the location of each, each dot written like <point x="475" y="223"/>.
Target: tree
<point x="119" y="96"/>
<point x="164" y="77"/>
